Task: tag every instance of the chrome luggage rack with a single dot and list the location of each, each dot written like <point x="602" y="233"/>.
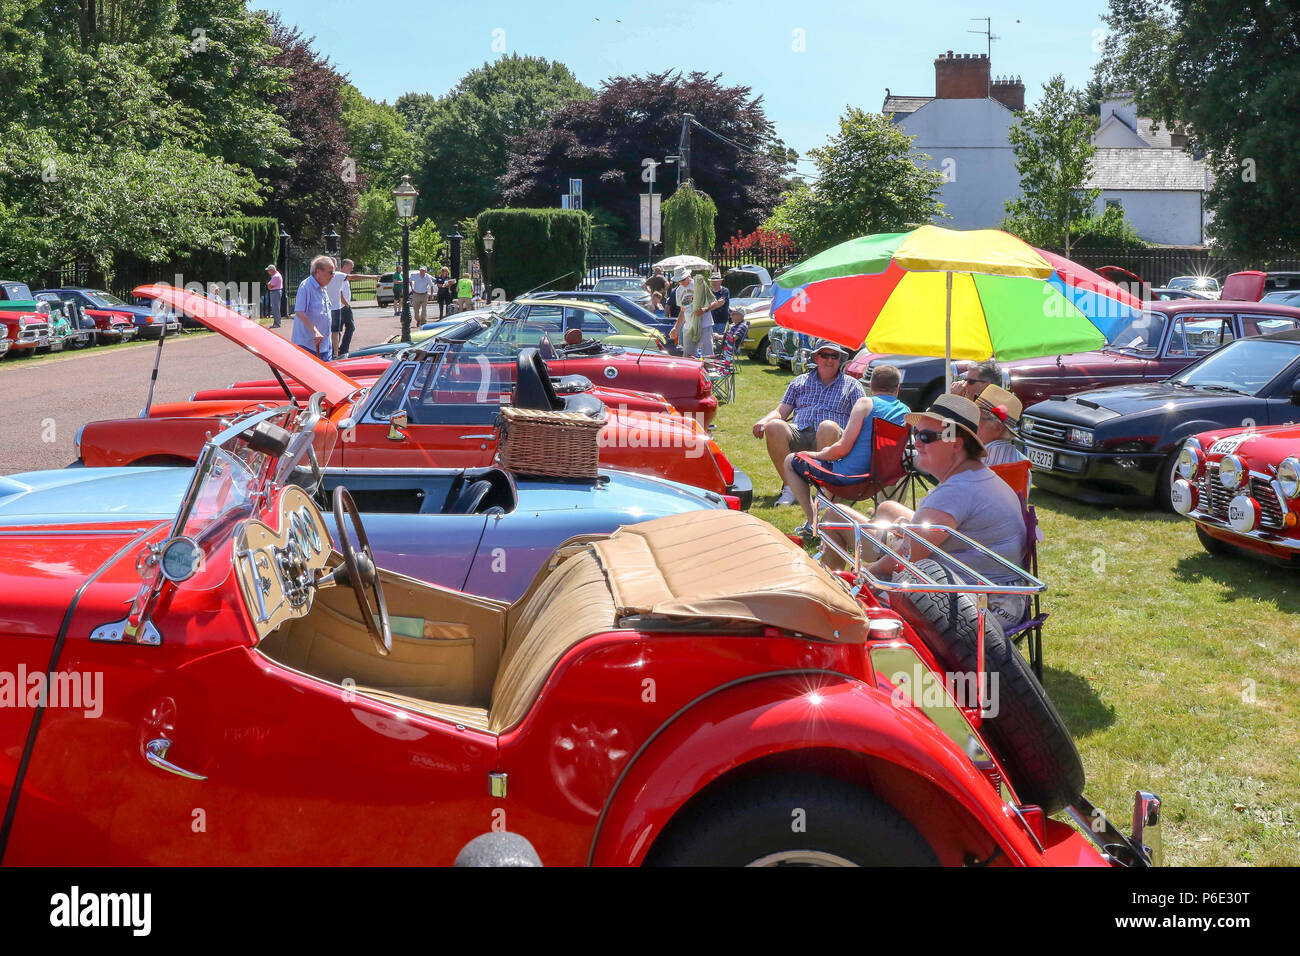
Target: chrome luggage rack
<point x="877" y="533"/>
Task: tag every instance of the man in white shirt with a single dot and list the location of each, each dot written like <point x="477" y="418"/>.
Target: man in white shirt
<point x="341" y="324"/>
<point x="421" y="286"/>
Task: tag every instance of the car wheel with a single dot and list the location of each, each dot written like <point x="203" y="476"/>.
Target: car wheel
<point x="1213" y="545"/>
<point x="1164" y="478"/>
<point x="1027" y="733"/>
<point x="791" y="820"/>
<point x="760" y="353"/>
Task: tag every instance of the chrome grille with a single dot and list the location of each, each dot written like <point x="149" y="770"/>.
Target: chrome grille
<point x="32" y="331"/>
<point x="1047" y="433"/>
<point x="1215" y="497"/>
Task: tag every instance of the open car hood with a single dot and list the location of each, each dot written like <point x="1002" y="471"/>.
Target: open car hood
<point x="280" y="354"/>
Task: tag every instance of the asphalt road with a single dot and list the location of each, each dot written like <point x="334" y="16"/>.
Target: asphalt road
<point x="47" y="400"/>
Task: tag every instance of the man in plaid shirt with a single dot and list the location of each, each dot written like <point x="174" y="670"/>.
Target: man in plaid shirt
<point x="813" y="412"/>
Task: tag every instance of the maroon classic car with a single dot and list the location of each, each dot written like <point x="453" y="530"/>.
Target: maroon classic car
<point x="1167" y="338"/>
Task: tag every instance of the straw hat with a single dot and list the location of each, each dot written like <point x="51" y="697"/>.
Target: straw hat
<point x="951" y="410"/>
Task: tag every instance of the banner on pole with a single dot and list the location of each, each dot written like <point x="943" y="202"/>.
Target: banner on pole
<point x="650" y="219"/>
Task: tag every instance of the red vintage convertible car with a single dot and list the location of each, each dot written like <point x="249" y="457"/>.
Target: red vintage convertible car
<point x="1241" y="486"/>
<point x="226" y="689"/>
<point x="450" y="420"/>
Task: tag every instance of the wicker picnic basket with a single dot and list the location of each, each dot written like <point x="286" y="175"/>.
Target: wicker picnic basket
<point x="552" y="444"/>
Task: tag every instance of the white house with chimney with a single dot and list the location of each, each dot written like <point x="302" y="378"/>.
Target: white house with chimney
<point x="964" y="127"/>
<point x="1146" y="171"/>
<point x="963" y="130"/>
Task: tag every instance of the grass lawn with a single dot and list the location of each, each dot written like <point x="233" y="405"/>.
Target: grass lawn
<point x="1175" y="671"/>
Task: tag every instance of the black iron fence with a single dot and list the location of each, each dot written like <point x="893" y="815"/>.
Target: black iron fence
<point x="1158" y="266"/>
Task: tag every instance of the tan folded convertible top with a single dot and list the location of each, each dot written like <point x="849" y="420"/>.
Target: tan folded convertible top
<point x="728" y="568"/>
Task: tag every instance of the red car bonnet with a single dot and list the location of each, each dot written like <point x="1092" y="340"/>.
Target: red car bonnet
<point x="279" y="353"/>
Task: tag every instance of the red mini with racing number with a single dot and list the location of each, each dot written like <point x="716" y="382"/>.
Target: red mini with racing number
<point x="1241" y="487"/>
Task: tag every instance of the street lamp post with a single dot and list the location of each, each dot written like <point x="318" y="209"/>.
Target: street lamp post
<point x="489" y="243"/>
<point x="227" y="246"/>
<point x="454" y="240"/>
<point x="331" y="241"/>
<point x="404" y="197"/>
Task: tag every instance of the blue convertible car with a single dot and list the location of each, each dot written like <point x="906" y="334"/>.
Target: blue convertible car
<point x="479" y="530"/>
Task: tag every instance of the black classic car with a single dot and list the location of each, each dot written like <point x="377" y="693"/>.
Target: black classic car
<point x="1120" y="445"/>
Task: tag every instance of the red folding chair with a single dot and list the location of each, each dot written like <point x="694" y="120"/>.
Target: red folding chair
<point x="888" y="444"/>
<point x="1030" y="630"/>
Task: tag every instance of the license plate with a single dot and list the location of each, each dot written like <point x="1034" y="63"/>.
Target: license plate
<point x="1043" y="459"/>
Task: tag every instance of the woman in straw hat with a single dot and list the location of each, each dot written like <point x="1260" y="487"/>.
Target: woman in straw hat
<point x="969" y="498"/>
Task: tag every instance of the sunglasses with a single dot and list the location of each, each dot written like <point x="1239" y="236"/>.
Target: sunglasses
<point x="828" y="355"/>
<point x="927" y="436"/>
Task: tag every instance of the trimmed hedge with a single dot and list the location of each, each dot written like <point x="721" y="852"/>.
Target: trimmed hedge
<point x="534" y="246"/>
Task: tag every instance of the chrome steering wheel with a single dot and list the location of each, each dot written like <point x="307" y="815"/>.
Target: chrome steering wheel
<point x="362" y="571"/>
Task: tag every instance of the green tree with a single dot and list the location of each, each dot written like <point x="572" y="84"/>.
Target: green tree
<point x="869" y="180"/>
<point x="428" y="248"/>
<point x="377" y="139"/>
<point x="688" y="223"/>
<point x="377" y="238"/>
<point x="465" y="136"/>
<point x="1053" y="149"/>
<point x="1229" y="73"/>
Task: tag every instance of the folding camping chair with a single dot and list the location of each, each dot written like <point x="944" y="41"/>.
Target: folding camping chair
<point x="722" y="370"/>
<point x="1016" y="474"/>
<point x="888" y="473"/>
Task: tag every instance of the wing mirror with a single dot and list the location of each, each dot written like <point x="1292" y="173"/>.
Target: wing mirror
<point x="397" y="424"/>
<point x="1295" y="392"/>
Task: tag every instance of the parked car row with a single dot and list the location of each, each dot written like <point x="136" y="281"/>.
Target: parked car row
<point x="73" y="318"/>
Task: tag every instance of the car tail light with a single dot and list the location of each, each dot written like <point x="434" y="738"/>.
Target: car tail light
<point x="705" y="388"/>
<point x="733" y="502"/>
<point x="724" y="466"/>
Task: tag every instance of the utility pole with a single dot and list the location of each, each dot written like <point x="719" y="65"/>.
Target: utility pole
<point x="684" y="148"/>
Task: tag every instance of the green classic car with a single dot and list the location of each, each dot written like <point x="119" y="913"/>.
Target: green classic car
<point x="63" y="332"/>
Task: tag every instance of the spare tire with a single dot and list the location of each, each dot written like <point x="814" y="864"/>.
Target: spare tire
<point x="1027" y="734"/>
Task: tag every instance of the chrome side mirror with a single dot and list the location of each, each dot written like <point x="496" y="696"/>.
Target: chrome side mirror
<point x="1146" y="826"/>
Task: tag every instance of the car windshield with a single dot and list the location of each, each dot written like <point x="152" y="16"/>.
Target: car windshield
<point x="1246" y="366"/>
<point x="618" y="285"/>
<point x="1202" y="283"/>
<point x="461" y="383"/>
<point x="1143" y="334"/>
<point x="104" y="298"/>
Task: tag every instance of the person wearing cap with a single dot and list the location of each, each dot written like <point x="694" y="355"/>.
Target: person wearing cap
<point x="421" y="286"/>
<point x="999" y="418"/>
<point x="721" y="308"/>
<point x="693" y="330"/>
<point x="848" y="459"/>
<point x="275" y="288"/>
<point x="969" y="498"/>
<point x="813" y="412"/>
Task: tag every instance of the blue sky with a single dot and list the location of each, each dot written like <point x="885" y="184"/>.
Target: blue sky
<point x="851" y="51"/>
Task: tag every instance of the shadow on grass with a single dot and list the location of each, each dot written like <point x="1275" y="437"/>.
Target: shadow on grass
<point x="1043" y="499"/>
<point x="1079" y="706"/>
<point x="1243" y="576"/>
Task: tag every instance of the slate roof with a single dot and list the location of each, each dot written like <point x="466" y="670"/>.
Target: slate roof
<point x="1119" y="167"/>
<point x="902" y="106"/>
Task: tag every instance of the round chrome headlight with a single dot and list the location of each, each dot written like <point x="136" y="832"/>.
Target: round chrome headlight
<point x="1288" y="476"/>
<point x="1190" y="462"/>
<point x="1231" y="471"/>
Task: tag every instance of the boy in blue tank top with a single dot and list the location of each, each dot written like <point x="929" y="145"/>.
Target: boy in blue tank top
<point x="850" y="457"/>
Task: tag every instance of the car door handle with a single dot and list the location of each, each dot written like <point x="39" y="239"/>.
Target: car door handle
<point x="156" y="752"/>
<point x="488" y="435"/>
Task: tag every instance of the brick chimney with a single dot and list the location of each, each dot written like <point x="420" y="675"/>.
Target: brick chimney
<point x="1009" y="91"/>
<point x="964" y="76"/>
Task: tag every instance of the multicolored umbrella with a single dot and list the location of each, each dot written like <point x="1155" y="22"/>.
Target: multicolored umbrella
<point x="975" y="294"/>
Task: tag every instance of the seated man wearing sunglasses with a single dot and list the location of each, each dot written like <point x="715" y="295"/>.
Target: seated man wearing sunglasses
<point x="969" y="498"/>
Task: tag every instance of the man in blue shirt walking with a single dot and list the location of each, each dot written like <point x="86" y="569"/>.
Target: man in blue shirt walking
<point x="311" y="316"/>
